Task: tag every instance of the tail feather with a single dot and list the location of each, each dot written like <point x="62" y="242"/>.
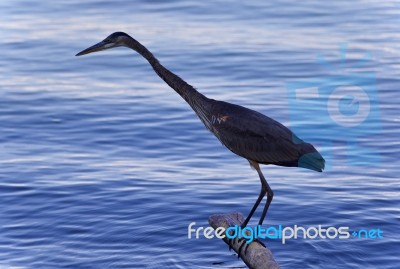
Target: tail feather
<point x="312" y="160"/>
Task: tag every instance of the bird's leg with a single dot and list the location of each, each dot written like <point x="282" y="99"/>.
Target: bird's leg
<point x="270" y="196"/>
<point x="264" y="189"/>
<point x="260" y="196"/>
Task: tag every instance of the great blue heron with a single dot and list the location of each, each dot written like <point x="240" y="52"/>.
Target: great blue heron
<point x="247" y="133"/>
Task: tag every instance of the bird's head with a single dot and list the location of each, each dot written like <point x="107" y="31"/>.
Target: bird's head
<point x="116" y="39"/>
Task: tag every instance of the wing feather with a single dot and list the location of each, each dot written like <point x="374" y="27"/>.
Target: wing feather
<point x="255" y="136"/>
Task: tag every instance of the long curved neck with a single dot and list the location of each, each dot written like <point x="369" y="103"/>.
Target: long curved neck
<point x="188" y="93"/>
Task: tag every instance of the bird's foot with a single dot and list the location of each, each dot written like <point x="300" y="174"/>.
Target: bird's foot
<point x="230" y="242"/>
<point x="246" y="246"/>
<point x="240" y="241"/>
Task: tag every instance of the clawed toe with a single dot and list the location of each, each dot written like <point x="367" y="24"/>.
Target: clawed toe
<point x="242" y="243"/>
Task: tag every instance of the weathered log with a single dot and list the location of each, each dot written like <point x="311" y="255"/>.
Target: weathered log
<point x="256" y="256"/>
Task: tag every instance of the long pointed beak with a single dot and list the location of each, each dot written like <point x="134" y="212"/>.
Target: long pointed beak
<point x="98" y="47"/>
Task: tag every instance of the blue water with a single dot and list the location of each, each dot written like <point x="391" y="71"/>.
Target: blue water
<point x="103" y="166"/>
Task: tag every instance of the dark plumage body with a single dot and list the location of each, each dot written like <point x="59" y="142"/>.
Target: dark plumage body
<point x="247" y="133"/>
<point x="257" y="137"/>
